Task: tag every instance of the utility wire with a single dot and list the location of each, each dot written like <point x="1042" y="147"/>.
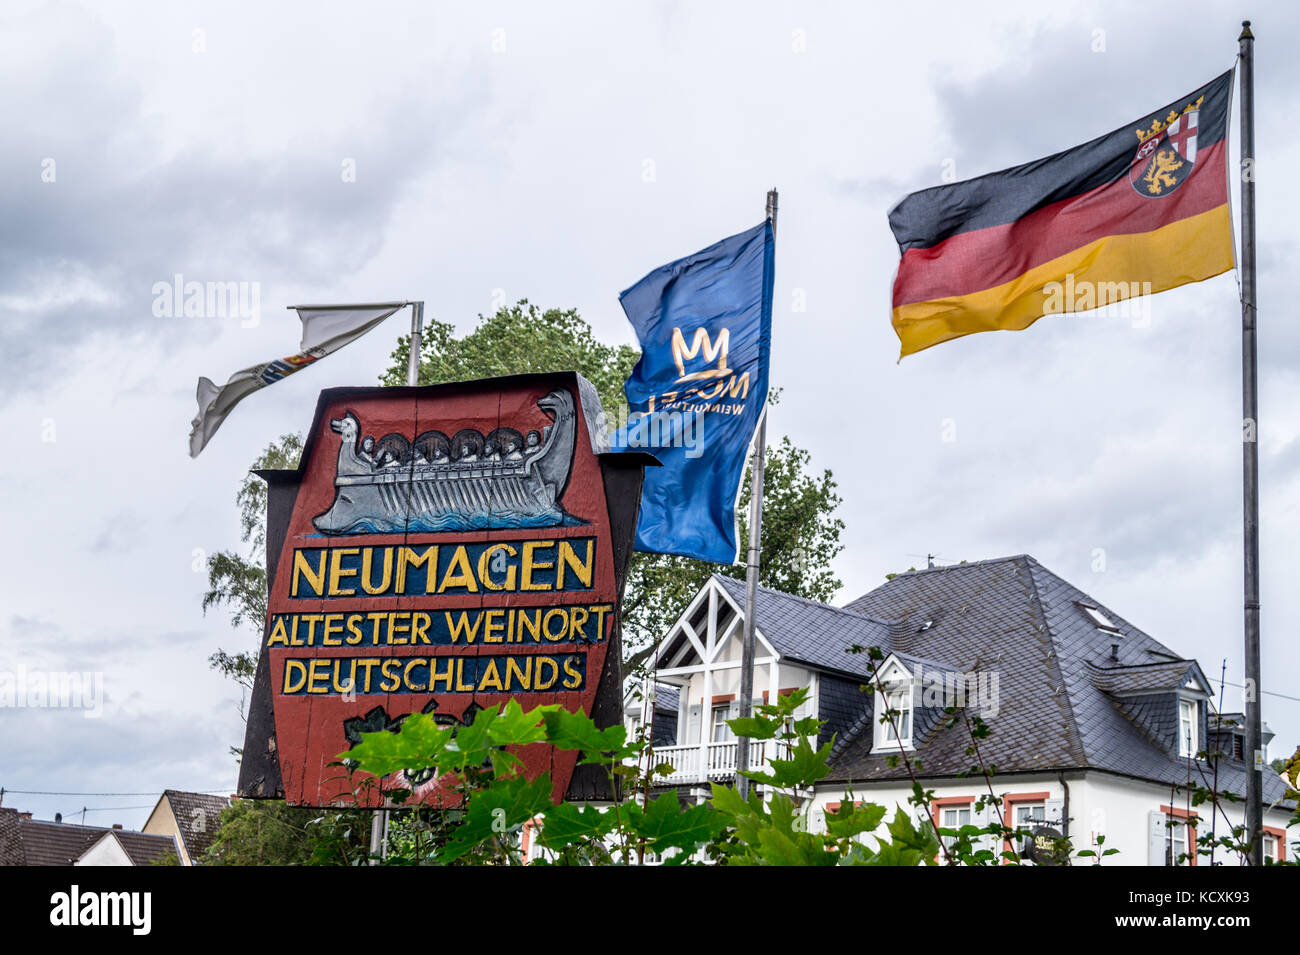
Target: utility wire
<point x="1283" y="696"/>
<point x="107" y="809"/>
<point x="36" y="792"/>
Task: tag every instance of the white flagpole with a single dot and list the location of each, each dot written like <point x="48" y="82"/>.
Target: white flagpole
<point x="751" y="576"/>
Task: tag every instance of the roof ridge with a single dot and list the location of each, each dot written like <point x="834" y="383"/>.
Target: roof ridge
<point x="962" y="565"/>
<point x="1080" y="750"/>
<point x="1139" y="666"/>
<point x="821" y="604"/>
<point x="65" y="825"/>
<point x="965" y="563"/>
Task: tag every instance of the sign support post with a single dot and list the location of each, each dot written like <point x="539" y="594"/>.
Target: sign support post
<point x="379" y="825"/>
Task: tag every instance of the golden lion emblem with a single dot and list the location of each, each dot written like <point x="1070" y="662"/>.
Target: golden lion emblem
<point x="1160" y="171"/>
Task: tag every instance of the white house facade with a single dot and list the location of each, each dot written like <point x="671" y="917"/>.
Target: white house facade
<point x="1095" y="728"/>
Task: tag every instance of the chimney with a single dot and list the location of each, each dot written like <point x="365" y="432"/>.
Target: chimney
<point x="117" y="825"/>
<point x="58" y="817"/>
<point x="1114" y="651"/>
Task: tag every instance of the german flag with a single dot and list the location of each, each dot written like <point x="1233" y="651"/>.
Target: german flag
<point x="1137" y="211"/>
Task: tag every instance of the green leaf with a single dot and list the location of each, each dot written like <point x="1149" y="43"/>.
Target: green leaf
<point x="808" y="726"/>
<point x="666" y="824"/>
<point x="850" y="820"/>
<point x="726" y="799"/>
<point x="754" y="727"/>
<point x="566" y="730"/>
<point x="894" y="855"/>
<point x="566" y="823"/>
<point x="790" y="702"/>
<point x="514" y="727"/>
<point x="777" y="847"/>
<point x="781" y="810"/>
<point x="420" y="743"/>
<point x="471" y="744"/>
<point x="908" y="836"/>
<point x="805" y="767"/>
<point x="495" y="810"/>
<point x="504" y="762"/>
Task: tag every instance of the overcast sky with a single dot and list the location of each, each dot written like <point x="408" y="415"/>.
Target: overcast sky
<point x="558" y="152"/>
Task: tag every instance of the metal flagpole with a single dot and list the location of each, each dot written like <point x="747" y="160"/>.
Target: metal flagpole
<point x="413" y="359"/>
<point x="751" y="575"/>
<point x="1250" y="451"/>
<point x="379" y="823"/>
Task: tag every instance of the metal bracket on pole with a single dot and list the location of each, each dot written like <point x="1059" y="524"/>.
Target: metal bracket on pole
<point x="751" y="575"/>
<point x="413" y="357"/>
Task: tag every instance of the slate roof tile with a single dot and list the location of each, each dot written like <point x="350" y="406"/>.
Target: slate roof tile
<point x="197" y="816"/>
<point x="1062" y="701"/>
<point x="39" y="842"/>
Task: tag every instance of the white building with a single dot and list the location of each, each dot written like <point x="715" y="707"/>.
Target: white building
<point x="1096" y="728"/>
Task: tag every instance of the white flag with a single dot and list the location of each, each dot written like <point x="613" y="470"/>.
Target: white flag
<point x="324" y="331"/>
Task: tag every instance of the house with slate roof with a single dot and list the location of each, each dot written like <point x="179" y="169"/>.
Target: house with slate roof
<point x="28" y="841"/>
<point x="191" y="818"/>
<point x="1096" y="728"/>
<point x="181" y="827"/>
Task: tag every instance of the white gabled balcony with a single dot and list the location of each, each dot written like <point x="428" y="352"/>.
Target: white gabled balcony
<point x="708" y="762"/>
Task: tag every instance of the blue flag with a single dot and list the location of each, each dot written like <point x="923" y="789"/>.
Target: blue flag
<point x="705" y="327"/>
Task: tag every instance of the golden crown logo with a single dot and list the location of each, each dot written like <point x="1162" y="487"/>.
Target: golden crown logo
<point x="701" y="343"/>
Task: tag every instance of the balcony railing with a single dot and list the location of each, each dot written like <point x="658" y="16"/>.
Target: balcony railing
<point x="719" y="761"/>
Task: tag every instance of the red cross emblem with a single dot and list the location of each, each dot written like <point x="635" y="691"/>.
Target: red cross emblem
<point x="1182" y="135"/>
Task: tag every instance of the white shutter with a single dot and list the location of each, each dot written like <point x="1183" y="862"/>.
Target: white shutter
<point x="692" y="726"/>
<point x="1156" y="839"/>
<point x="1054" y="814"/>
<point x="982" y="818"/>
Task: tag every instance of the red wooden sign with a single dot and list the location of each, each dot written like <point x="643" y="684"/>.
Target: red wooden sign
<point x="446" y="549"/>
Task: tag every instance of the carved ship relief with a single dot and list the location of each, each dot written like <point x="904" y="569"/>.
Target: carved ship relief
<point x="469" y="481"/>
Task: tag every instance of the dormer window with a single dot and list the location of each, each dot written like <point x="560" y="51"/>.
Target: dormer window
<point x="1189" y="724"/>
<point x="894" y="693"/>
<point x="1099" y="619"/>
<point x="899" y="698"/>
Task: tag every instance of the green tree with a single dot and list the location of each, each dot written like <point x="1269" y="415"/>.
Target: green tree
<point x="269" y="832"/>
<point x="517" y="340"/>
<point x="237" y="582"/>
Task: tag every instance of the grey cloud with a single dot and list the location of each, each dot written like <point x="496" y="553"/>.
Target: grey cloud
<point x="124" y="213"/>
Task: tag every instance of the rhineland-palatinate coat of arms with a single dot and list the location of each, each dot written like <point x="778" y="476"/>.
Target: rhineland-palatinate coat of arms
<point x="1166" y="153"/>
